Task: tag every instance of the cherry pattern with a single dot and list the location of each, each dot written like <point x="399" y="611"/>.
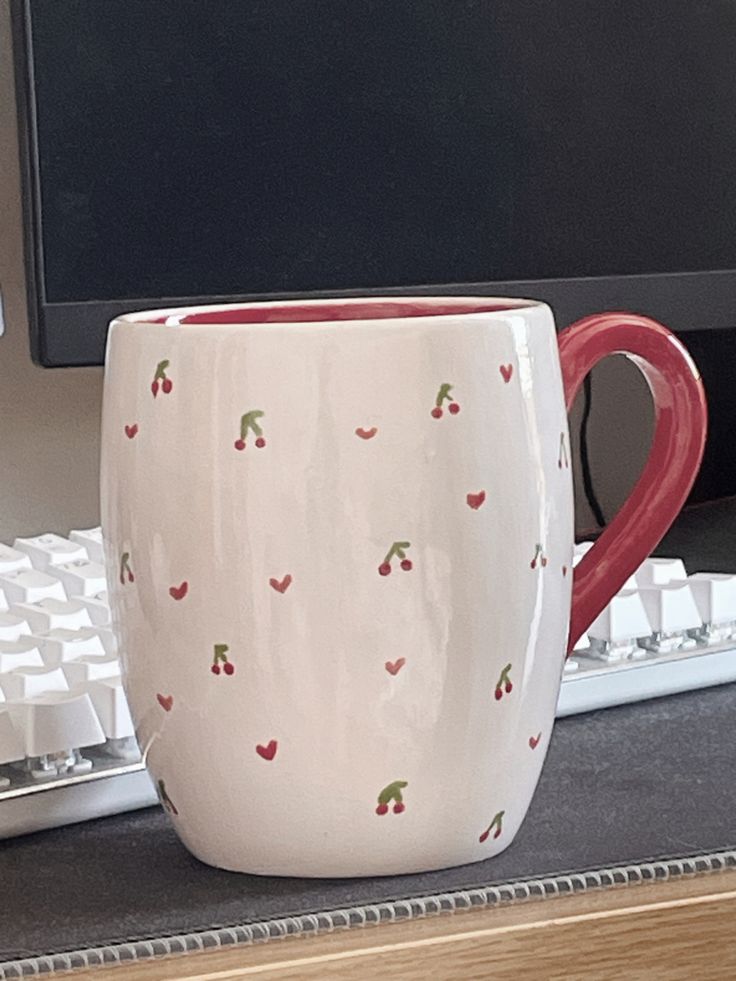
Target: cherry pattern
<point x="161" y="380"/>
<point x="443" y="395"/>
<point x="496" y="826"/>
<point x="249" y="423"/>
<point x="504" y="685"/>
<point x="220" y="660"/>
<point x="166" y="801"/>
<point x="397" y="550"/>
<point x="392" y="792"/>
<point x="126" y="573"/>
<point x="539" y="559"/>
<point x="221" y="663"/>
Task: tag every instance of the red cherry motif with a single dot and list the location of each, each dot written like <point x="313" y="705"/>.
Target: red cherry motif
<point x="443" y="395"/>
<point x="161" y="379"/>
<point x="504" y="684"/>
<point x="249" y="423"/>
<point x="496" y="826"/>
<point x="539" y="557"/>
<point x="220" y="661"/>
<point x="392" y="792"/>
<point x="397" y="550"/>
<point x="126" y="573"/>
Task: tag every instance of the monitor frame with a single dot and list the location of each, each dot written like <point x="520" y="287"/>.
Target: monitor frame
<point x="74" y="333"/>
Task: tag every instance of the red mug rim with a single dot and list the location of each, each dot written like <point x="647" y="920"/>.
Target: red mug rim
<point x="324" y="310"/>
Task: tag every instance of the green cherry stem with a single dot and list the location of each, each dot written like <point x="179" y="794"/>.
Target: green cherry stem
<point x="392" y="792"/>
<point x="161" y="369"/>
<point x="220" y="653"/>
<point x="443" y="394"/>
<point x="248" y="421"/>
<point x="398" y="549"/>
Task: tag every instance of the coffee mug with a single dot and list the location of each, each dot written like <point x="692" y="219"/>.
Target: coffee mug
<point x="339" y="538"/>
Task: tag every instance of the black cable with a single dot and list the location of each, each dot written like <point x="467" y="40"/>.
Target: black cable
<point x="585" y="457"/>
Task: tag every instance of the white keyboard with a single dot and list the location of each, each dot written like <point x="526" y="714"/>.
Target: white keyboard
<point x="67" y="747"/>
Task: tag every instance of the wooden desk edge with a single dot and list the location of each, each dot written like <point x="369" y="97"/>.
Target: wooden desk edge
<point x="678" y="928"/>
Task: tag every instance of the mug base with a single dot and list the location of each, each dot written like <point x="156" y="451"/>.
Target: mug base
<point x="321" y="868"/>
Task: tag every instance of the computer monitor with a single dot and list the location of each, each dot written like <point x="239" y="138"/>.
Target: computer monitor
<point x="178" y="152"/>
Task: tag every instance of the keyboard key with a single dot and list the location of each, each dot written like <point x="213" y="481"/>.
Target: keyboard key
<point x="613" y="634"/>
<point x="91" y="539"/>
<point x="82" y="578"/>
<point x="659" y="572"/>
<point x="90" y="668"/>
<point x="13" y="627"/>
<point x="672" y="613"/>
<point x="715" y="596"/>
<point x="57" y="722"/>
<point x="23" y="653"/>
<point x="49" y="550"/>
<point x="30" y="586"/>
<point x="66" y="645"/>
<point x="24" y="683"/>
<point x="49" y="614"/>
<point x="112" y="709"/>
<point x="11" y="560"/>
<point x="97" y="607"/>
<point x="11" y="742"/>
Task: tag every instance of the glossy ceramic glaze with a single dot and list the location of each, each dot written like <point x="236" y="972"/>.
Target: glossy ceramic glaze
<point x="340" y="561"/>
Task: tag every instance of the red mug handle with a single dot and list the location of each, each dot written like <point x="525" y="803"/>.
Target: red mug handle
<point x="681" y="423"/>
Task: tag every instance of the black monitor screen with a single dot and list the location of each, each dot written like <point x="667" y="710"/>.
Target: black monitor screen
<point x="201" y="149"/>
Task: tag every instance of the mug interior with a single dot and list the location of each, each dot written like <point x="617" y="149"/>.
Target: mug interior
<point x="314" y="311"/>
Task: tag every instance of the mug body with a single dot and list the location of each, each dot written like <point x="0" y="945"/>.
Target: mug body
<point x="339" y="539"/>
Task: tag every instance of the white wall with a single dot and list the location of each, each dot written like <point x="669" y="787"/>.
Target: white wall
<point x="49" y="419"/>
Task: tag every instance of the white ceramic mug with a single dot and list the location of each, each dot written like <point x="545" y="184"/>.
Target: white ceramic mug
<point x="339" y="539"/>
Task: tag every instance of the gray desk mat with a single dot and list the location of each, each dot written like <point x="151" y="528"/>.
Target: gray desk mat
<point x="622" y="787"/>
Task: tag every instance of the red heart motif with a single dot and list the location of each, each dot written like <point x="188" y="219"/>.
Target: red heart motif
<point x="475" y="500"/>
<point x="393" y="667"/>
<point x="534" y="741"/>
<point x="507" y="371"/>
<point x="282" y="586"/>
<point x="179" y="592"/>
<point x="131" y="431"/>
<point x="267" y="752"/>
<point x="165" y="701"/>
<point x="366" y="433"/>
